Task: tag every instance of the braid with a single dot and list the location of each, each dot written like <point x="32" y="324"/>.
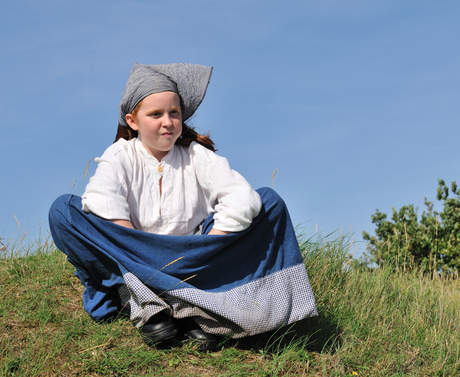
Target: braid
<point x="189" y="135"/>
<point x="126" y="133"/>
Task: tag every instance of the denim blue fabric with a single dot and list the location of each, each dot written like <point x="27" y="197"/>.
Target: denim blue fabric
<point x="102" y="252"/>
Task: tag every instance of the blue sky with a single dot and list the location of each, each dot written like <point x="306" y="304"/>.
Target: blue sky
<point x="355" y="103"/>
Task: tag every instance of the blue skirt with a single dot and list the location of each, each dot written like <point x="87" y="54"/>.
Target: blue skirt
<point x="238" y="285"/>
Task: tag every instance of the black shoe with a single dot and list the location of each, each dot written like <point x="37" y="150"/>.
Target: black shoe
<point x="192" y="332"/>
<point x="160" y="327"/>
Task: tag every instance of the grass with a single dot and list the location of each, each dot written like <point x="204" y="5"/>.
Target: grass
<point x="371" y="323"/>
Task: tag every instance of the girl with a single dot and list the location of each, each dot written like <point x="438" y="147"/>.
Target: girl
<point x="169" y="232"/>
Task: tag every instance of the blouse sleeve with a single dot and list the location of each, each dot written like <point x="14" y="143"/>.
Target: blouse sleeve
<point x="106" y="193"/>
<point x="232" y="198"/>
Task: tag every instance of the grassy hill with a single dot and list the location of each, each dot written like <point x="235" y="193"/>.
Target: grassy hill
<point x="371" y="323"/>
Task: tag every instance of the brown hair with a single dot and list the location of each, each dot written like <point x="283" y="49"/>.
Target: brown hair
<point x="187" y="136"/>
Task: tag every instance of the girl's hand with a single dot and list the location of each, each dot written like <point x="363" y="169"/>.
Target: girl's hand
<point x="218" y="232"/>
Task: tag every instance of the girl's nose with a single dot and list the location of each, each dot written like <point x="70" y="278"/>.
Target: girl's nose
<point x="167" y="121"/>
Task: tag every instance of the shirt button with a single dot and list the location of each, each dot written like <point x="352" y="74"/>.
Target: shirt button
<point x="160" y="169"/>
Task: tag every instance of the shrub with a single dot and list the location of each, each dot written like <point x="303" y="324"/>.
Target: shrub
<point x="431" y="243"/>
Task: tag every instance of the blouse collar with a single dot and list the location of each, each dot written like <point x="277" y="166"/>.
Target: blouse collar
<point x="165" y="161"/>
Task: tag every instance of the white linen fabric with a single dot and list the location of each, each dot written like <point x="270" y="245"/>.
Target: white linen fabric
<point x="195" y="183"/>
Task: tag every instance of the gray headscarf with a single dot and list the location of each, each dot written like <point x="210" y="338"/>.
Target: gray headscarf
<point x="189" y="81"/>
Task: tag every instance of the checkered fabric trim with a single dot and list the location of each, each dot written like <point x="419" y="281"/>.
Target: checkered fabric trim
<point x="266" y="304"/>
<point x="140" y="300"/>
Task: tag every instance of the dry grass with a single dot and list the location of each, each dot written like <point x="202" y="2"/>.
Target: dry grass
<point x="371" y="323"/>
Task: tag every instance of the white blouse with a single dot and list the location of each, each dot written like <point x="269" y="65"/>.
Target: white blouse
<point x="196" y="182"/>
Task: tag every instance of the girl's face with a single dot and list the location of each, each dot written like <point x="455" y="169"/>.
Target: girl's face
<point x="158" y="122"/>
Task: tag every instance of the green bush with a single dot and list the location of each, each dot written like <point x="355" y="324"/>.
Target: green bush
<point x="431" y="243"/>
